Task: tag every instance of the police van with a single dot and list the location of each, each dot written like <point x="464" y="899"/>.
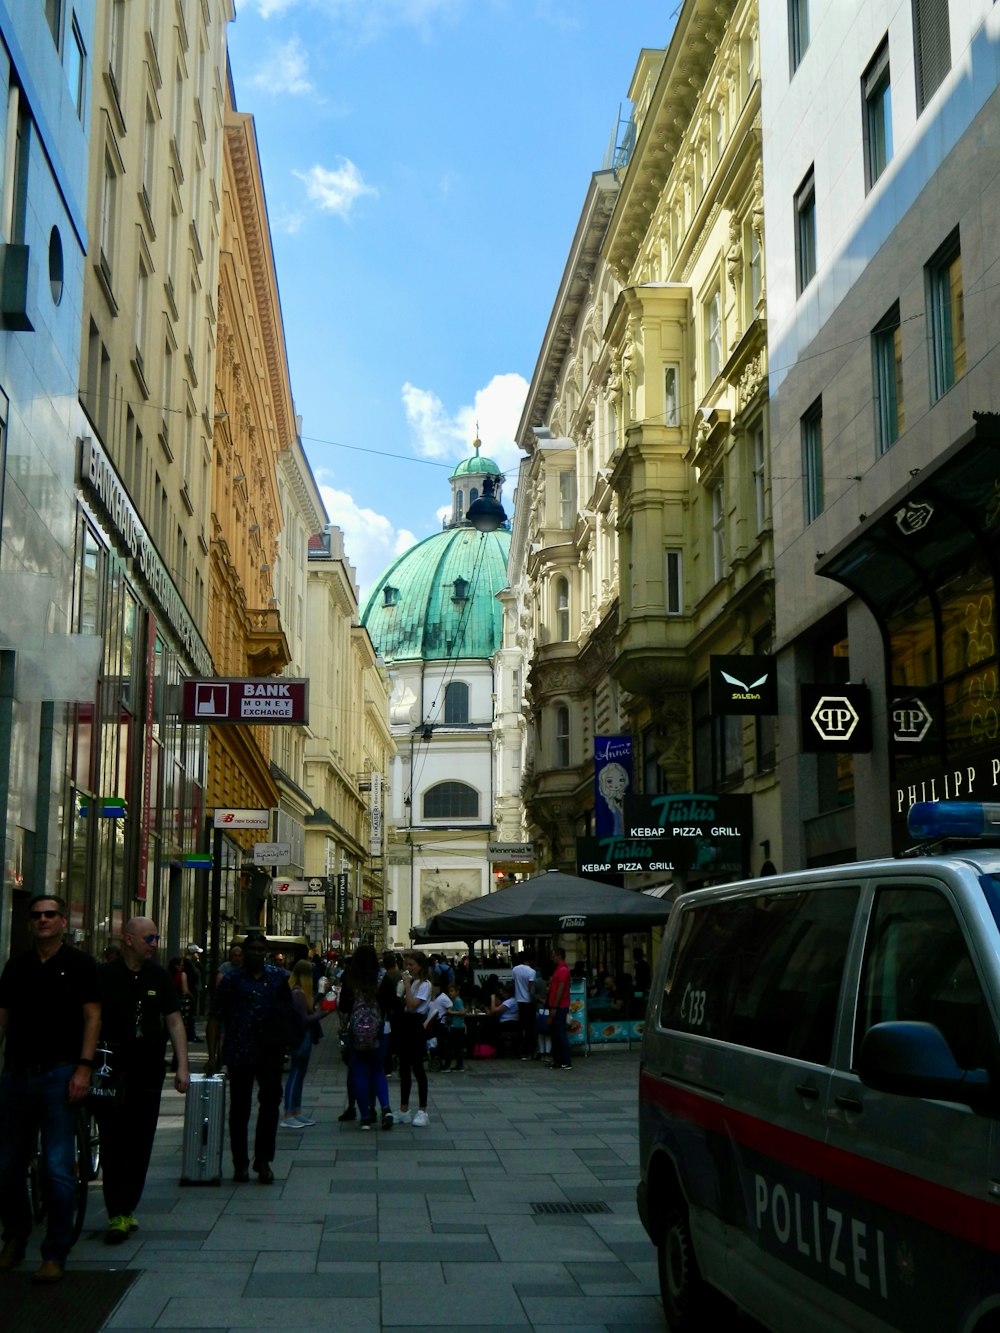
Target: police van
<point x="819" y="1115"/>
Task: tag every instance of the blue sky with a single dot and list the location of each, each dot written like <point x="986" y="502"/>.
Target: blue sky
<point x="425" y="162"/>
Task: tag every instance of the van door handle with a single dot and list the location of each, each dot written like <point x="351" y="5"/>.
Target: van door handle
<point x="807" y="1091"/>
<point x="850" y="1103"/>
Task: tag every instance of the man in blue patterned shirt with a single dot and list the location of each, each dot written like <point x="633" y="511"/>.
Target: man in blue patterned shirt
<point x="249" y="1012"/>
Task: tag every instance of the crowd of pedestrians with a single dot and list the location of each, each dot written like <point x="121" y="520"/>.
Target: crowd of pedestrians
<point x="82" y="1035"/>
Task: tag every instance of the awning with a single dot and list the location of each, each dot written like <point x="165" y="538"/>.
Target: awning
<point x="659" y="890"/>
<point x="944" y="520"/>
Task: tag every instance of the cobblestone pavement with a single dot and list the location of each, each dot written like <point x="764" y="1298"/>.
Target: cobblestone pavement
<point x="434" y="1228"/>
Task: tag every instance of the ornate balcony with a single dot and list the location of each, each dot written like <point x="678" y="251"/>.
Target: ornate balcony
<point x="267" y="647"/>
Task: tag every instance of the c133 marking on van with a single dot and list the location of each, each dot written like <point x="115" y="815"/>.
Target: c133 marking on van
<point x="806" y="1229"/>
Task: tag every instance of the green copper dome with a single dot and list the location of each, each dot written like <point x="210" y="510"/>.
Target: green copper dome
<point x="437" y="600"/>
<point x="477" y="464"/>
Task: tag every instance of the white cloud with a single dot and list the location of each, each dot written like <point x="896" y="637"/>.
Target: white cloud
<point x="496" y="409"/>
<point x="370" y="540"/>
<point x="286" y="71"/>
<point x="335" y="191"/>
<point x="366" y="19"/>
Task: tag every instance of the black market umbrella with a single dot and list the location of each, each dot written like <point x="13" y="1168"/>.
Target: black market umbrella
<point x="548" y="904"/>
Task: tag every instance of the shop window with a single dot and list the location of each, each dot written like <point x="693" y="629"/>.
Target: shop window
<point x="717" y="745"/>
<point x="456" y="704"/>
<point x="805" y="232"/>
<point x="946" y="316"/>
<point x="887" y="377"/>
<point x="876" y="92"/>
<point x="812" y="462"/>
<point x="931" y="47"/>
<point x="451" y="800"/>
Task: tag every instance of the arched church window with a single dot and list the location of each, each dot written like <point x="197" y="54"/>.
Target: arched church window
<point x="451" y="800"/>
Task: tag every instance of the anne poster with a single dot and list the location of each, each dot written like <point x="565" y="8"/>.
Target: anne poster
<point x="612" y="783"/>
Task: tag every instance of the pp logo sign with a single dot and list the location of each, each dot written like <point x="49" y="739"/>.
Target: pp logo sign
<point x="837" y="718"/>
<point x="834" y="718"/>
<point x="911" y="721"/>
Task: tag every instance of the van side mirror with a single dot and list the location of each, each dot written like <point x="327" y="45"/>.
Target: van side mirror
<point x="914" y="1060"/>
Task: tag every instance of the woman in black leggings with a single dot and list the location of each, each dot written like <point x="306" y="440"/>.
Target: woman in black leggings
<point x="413" y="1042"/>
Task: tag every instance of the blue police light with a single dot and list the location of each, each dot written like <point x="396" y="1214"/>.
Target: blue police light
<point x="953" y="819"/>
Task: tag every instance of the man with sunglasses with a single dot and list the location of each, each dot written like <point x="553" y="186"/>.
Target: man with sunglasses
<point x="139" y="1010"/>
<point x="50" y="1015"/>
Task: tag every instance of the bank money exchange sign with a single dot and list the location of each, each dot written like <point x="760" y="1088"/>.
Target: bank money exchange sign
<point x="270" y="700"/>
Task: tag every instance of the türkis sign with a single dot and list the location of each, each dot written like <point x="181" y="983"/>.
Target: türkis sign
<point x="704" y="835"/>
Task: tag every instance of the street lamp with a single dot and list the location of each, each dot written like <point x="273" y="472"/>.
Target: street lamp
<point x="487" y="514"/>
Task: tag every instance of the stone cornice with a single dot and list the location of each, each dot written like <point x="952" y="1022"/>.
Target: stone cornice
<point x="241" y="147"/>
<point x="574" y="288"/>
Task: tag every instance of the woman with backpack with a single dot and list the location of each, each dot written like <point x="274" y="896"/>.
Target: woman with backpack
<point x="301" y="985"/>
<point x="366" y="997"/>
<point x="413" y="1046"/>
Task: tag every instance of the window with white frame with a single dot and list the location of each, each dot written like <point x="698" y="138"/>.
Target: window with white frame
<point x="758" y="465"/>
<point x="567" y="499"/>
<point x="673" y="589"/>
<point x="812" y="462"/>
<point x="562" y="609"/>
<point x="672" y="395"/>
<point x="148" y="156"/>
<point x="116" y="46"/>
<point x="141" y="308"/>
<point x="713" y="335"/>
<point x="946" y="316"/>
<point x="109" y="209"/>
<point x="451" y="800"/>
<point x="718" y="531"/>
<point x="754" y="270"/>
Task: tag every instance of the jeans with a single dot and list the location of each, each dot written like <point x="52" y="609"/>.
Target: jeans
<point x="267" y="1072"/>
<point x="560" y="1040"/>
<point x="298" y="1063"/>
<point x="29" y="1102"/>
<point x="368" y="1073"/>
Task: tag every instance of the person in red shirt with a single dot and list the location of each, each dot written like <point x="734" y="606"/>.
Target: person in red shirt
<point x="559" y="1010"/>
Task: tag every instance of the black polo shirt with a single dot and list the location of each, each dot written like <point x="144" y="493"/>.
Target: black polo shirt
<point x="44" y="1003"/>
<point x="133" y="1008"/>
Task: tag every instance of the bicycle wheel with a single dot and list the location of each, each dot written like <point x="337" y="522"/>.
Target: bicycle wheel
<point x="36" y="1183"/>
<point x="82" y="1170"/>
<point x="93" y="1161"/>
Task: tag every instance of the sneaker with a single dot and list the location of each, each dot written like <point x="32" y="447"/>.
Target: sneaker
<point x="565" y="1066"/>
<point x="305" y="1122"/>
<point x="387" y="1121"/>
<point x="349" y="1114"/>
<point x="117" y="1230"/>
<point x="51" y="1270"/>
<point x="420" y="1118"/>
<point x="292" y="1122"/>
<point x="11" y="1255"/>
<point x="404" y="1118"/>
<point x="368" y="1122"/>
<point x="133" y="1222"/>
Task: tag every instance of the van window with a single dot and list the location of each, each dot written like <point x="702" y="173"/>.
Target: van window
<point x="918" y="968"/>
<point x="763" y="972"/>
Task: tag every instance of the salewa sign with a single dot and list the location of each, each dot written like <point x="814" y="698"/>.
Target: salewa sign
<point x="743" y="685"/>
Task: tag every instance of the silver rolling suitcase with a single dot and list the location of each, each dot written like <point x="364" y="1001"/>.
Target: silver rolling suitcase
<point x="204" y="1127"/>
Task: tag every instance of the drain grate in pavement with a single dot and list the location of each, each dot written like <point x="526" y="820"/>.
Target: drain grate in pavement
<point x="586" y="1207"/>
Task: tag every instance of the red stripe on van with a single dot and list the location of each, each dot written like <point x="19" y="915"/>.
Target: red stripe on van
<point x="937" y="1206"/>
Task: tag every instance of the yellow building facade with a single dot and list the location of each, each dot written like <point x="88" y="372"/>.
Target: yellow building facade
<point x="642" y="538"/>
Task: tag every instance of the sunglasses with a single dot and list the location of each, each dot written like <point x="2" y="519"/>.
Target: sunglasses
<point x="151" y="939"/>
<point x="48" y="914"/>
